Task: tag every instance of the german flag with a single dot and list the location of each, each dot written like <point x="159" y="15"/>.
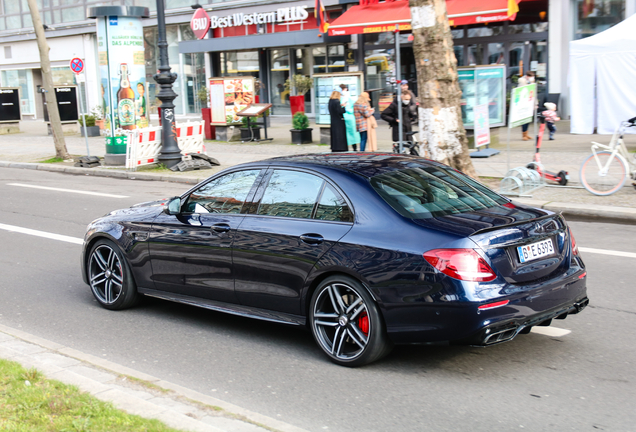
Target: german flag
<point x="321" y="16"/>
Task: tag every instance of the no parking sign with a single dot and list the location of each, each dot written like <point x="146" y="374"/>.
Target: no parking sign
<point x="77" y="65"/>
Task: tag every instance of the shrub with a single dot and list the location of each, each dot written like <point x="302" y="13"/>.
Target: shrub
<point x="301" y="83"/>
<point x="90" y="121"/>
<point x="300" y="121"/>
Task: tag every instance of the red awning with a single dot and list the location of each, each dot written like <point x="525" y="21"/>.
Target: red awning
<point x="374" y="18"/>
<point x="465" y="12"/>
<point x="382" y="17"/>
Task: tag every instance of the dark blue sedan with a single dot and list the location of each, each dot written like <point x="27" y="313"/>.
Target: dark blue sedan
<point x="367" y="250"/>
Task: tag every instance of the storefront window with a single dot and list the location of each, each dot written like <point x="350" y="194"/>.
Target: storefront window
<point x="475" y="54"/>
<point x="240" y="63"/>
<point x="459" y="54"/>
<point x="303" y="67"/>
<point x="491" y="30"/>
<point x="595" y="16"/>
<point x="24" y="79"/>
<point x="380" y="68"/>
<point x="279" y="72"/>
<point x="63" y="76"/>
<point x="457" y="34"/>
<point x="496" y="53"/>
<point x="335" y="58"/>
<point x="385" y="38"/>
<point x="320" y="59"/>
<point x="151" y="55"/>
<point x="515" y="56"/>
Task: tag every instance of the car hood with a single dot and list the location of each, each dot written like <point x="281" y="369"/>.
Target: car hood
<point x="156" y="203"/>
<point x="466" y="224"/>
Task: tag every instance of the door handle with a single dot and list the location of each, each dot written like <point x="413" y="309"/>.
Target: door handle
<point x="312" y="238"/>
<point x="221" y="227"/>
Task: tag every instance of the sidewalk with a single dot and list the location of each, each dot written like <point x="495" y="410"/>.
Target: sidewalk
<point x="133" y="391"/>
<point x="566" y="152"/>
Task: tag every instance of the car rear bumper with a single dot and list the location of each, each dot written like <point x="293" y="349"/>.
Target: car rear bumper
<point x="462" y="322"/>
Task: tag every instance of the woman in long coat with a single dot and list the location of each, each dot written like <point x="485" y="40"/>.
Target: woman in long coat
<point x="338" y="128"/>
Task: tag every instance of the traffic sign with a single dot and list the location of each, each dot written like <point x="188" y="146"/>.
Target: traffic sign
<point x="77" y="65"/>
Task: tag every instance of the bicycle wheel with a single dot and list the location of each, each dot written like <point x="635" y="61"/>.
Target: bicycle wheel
<point x="603" y="183"/>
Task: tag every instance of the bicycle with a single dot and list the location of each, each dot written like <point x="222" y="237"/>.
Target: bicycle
<point x="604" y="172"/>
<point x="409" y="146"/>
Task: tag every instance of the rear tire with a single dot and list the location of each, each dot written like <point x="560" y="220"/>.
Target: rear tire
<point x="597" y="184"/>
<point x="346" y="323"/>
<point x="110" y="278"/>
<point x="563" y="178"/>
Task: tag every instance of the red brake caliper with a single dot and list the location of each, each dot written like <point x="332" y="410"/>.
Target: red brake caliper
<point x="363" y="323"/>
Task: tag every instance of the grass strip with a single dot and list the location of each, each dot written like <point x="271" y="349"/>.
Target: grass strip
<point x="30" y="402"/>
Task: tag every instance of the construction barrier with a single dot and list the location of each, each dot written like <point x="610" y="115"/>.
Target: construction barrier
<point x="144" y="145"/>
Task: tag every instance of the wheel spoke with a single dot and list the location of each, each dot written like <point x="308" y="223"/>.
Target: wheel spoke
<point x="118" y="278"/>
<point x="355" y="314"/>
<point x="108" y="292"/>
<point x="335" y="340"/>
<point x="338" y="298"/>
<point x="359" y="337"/>
<point x="112" y="260"/>
<point x="99" y="259"/>
<point x="326" y="315"/>
<point x="342" y="336"/>
<point x="326" y="323"/>
<point x="353" y="305"/>
<point x="333" y="296"/>
<point x="96" y="276"/>
<point x="95" y="283"/>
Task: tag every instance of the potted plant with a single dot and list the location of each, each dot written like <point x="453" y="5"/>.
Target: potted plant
<point x="98" y="112"/>
<point x="301" y="132"/>
<point x="253" y="132"/>
<point x="91" y="129"/>
<point x="302" y="84"/>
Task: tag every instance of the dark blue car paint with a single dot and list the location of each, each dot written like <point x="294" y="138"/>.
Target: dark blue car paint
<point x="274" y="270"/>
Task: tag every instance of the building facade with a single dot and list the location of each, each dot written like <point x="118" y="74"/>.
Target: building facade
<point x="272" y="40"/>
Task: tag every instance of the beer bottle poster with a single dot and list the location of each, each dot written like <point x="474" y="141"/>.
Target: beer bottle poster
<point x="123" y="73"/>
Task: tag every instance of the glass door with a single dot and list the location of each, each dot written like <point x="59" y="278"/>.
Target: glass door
<point x="278" y="74"/>
<point x="303" y="61"/>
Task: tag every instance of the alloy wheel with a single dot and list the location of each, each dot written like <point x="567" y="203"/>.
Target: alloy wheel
<point x="106" y="275"/>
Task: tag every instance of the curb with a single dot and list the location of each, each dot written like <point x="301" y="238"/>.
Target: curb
<point x="579" y="212"/>
<point x="235" y="413"/>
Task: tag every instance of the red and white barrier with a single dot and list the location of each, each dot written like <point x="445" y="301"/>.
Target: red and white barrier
<point x="143" y="146"/>
<point x="190" y="136"/>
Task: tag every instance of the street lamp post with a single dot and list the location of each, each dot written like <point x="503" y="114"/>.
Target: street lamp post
<point x="170" y="154"/>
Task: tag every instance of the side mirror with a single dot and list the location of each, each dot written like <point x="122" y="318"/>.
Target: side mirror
<point x="173" y="207"/>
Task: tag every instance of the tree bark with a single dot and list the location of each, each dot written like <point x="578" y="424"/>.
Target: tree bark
<point x="440" y="121"/>
<point x="51" y="99"/>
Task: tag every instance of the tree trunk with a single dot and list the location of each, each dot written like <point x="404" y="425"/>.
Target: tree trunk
<point x="440" y="120"/>
<point x="51" y="99"/>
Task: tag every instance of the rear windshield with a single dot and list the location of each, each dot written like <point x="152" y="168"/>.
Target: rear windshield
<point x="429" y="191"/>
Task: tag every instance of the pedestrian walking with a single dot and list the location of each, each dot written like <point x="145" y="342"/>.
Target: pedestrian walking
<point x="528" y="78"/>
<point x="391" y="115"/>
<point x="550" y="116"/>
<point x="353" y="137"/>
<point x="404" y="85"/>
<point x="362" y="112"/>
<point x="338" y="129"/>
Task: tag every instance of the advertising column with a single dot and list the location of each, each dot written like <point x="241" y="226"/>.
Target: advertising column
<point x="120" y="45"/>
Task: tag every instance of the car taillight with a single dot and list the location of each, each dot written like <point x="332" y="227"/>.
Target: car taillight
<point x="575" y="248"/>
<point x="462" y="264"/>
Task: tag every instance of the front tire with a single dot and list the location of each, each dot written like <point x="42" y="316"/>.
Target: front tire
<point x="110" y="278"/>
<point x="346" y="323"/>
<point x="599" y="183"/>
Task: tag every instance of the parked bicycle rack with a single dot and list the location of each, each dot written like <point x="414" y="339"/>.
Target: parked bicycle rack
<point x="521" y="181"/>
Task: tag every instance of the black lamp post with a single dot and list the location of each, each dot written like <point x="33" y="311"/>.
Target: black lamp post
<point x="170" y="154"/>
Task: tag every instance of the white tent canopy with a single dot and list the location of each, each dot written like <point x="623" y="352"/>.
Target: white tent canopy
<point x="603" y="79"/>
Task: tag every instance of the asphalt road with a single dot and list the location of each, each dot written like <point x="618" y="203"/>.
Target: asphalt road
<point x="583" y="380"/>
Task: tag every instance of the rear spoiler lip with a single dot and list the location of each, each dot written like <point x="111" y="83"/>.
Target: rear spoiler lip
<point x="548" y="216"/>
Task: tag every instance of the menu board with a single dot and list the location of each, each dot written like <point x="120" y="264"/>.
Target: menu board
<point x="483" y="85"/>
<point x="325" y="84"/>
<point x="228" y="96"/>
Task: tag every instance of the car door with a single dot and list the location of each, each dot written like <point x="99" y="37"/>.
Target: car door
<point x="299" y="217"/>
<point x="191" y="252"/>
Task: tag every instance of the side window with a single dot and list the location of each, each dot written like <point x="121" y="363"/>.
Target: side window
<point x="225" y="194"/>
<point x="332" y="207"/>
<point x="290" y="194"/>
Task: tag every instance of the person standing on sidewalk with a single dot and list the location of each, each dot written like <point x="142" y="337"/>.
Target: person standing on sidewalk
<point x="353" y="137"/>
<point x="528" y="78"/>
<point x="338" y="129"/>
<point x="362" y="111"/>
<point x="391" y="115"/>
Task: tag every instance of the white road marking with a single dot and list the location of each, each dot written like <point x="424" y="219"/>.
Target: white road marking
<point x="608" y="252"/>
<point x="550" y="331"/>
<point x="68" y="190"/>
<point x="37" y="233"/>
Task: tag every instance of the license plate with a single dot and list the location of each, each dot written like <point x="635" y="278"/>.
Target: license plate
<point x="536" y="250"/>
